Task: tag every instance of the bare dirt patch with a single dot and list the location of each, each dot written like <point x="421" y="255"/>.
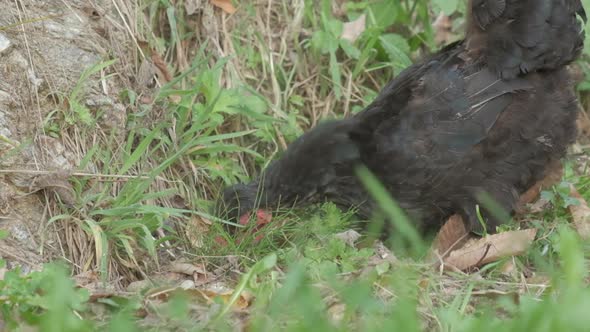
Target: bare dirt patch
<point x="45" y="46"/>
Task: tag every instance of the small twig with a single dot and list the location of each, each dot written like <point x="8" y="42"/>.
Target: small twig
<point x="9" y="141"/>
<point x="33" y="20"/>
<point x="491" y="291"/>
<point x="82" y="174"/>
<point x="485" y="254"/>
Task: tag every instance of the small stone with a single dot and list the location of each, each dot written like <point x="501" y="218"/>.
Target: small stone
<point x="4" y="43"/>
<point x="20" y="233"/>
<point x="36" y="81"/>
<point x="187" y="284"/>
<point x="5" y="97"/>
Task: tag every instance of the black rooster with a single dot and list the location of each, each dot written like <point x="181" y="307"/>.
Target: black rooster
<point x="487" y="114"/>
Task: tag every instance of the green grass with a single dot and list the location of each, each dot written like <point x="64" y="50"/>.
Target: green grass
<point x="218" y="121"/>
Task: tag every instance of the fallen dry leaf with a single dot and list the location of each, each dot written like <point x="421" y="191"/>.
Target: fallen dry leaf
<point x="162" y="67"/>
<point x="353" y="29"/>
<point x="52" y="182"/>
<point x="195" y="229"/>
<point x="580" y="214"/>
<point x="349" y="237"/>
<point x="205" y="296"/>
<point x="107" y="294"/>
<point x="198" y="272"/>
<point x="451" y="236"/>
<point x="509" y="269"/>
<point x="90" y="280"/>
<point x="162" y="293"/>
<point x="224" y="5"/>
<point x="243" y="301"/>
<point x="490" y="248"/>
<point x="539" y="280"/>
<point x="145" y="75"/>
<point x="86" y="278"/>
<point x="336" y="312"/>
<point x="58" y="184"/>
<point x="187" y="268"/>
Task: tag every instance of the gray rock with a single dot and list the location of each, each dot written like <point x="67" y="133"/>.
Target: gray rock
<point x="4" y="43"/>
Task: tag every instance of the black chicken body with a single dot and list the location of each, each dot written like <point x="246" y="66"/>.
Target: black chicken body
<point x="485" y="115"/>
<point x="462" y="132"/>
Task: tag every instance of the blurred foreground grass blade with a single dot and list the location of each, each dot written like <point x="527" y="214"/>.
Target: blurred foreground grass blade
<point x="575" y="268"/>
<point x="402" y="224"/>
<point x="261" y="266"/>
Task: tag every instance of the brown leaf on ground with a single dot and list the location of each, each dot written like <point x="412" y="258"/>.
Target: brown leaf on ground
<point x="336" y="312"/>
<point x="162" y="67"/>
<point x="451" y="236"/>
<point x="489" y="249"/>
<point x="243" y="301"/>
<point x="86" y="278"/>
<point x="580" y="214"/>
<point x="204" y="296"/>
<point x="52" y="182"/>
<point x="197" y="272"/>
<point x="195" y="229"/>
<point x="224" y="5"/>
<point x="353" y="29"/>
<point x="105" y="294"/>
<point x="187" y="268"/>
<point x="145" y="75"/>
<point x="90" y="280"/>
<point x="509" y="268"/>
<point x="60" y="186"/>
<point x="350" y="237"/>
